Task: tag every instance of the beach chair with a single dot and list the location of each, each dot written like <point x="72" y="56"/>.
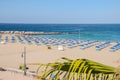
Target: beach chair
<point x="115" y="47"/>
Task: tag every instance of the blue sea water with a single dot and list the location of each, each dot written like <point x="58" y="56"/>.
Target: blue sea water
<point x="103" y="32"/>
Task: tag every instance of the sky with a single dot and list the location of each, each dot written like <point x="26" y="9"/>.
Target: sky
<point x="60" y="11"/>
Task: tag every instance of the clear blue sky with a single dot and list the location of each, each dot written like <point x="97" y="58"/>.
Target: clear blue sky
<point x="59" y="11"/>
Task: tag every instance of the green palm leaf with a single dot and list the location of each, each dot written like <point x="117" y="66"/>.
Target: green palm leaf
<point x="73" y="69"/>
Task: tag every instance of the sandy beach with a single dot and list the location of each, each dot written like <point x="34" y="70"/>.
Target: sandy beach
<point x="14" y="76"/>
<point x="10" y="54"/>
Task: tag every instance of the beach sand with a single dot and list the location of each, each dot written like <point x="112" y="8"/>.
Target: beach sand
<point x="10" y="54"/>
<point x="6" y="75"/>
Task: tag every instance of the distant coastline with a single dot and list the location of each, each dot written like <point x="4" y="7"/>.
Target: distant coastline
<point x="36" y="33"/>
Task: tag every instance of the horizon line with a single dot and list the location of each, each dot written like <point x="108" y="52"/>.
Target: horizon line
<point x="54" y="23"/>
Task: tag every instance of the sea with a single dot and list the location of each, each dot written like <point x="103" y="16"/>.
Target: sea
<point x="101" y="32"/>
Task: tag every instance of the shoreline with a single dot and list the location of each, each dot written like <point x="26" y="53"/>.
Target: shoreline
<point x="61" y="35"/>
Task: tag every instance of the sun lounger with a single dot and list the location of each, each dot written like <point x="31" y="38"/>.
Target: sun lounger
<point x="102" y="46"/>
<point x="115" y="47"/>
<point x="12" y="39"/>
<point x="27" y="40"/>
<point x="89" y="44"/>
